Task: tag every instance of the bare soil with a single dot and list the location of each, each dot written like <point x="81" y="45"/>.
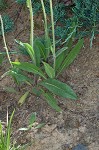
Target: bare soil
<point x="79" y="121"/>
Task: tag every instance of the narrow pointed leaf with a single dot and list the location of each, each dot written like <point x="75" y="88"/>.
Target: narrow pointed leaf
<point x="30" y="51"/>
<point x="60" y="56"/>
<point x="28" y="48"/>
<point x="59" y="88"/>
<point x="19" y="77"/>
<point x="59" y="61"/>
<point x="71" y="56"/>
<point x="52" y="101"/>
<point x="23" y="98"/>
<point x="29" y="68"/>
<point x="49" y="70"/>
<point x="39" y="45"/>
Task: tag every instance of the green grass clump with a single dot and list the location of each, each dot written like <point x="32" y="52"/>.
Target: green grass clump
<point x="5" y="135"/>
<point x="87" y="13"/>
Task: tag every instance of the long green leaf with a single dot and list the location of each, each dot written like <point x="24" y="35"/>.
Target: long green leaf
<point x="59" y="88"/>
<point x="23" y="98"/>
<point x="29" y="68"/>
<point x="71" y="56"/>
<point x="59" y="61"/>
<point x="27" y="48"/>
<point x="39" y="45"/>
<point x="49" y="70"/>
<point x="52" y="101"/>
<point x="19" y="77"/>
<point x="30" y="51"/>
<point x="60" y="56"/>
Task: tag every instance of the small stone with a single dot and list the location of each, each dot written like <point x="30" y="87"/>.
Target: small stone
<point x="80" y="147"/>
<point x="82" y="129"/>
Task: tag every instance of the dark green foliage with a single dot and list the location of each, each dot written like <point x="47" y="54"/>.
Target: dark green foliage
<point x="21" y="1"/>
<point x="59" y="12"/>
<point x="87" y="12"/>
<point x="2" y="4"/>
<point x="8" y="23"/>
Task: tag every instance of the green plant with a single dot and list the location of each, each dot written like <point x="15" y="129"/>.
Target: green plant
<point x="32" y="123"/>
<point x="87" y="13"/>
<point x="6" y="141"/>
<point x="2" y="4"/>
<point x="5" y="136"/>
<point x="8" y="24"/>
<point x="48" y="61"/>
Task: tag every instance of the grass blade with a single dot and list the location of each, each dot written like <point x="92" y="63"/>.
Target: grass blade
<point x="49" y="70"/>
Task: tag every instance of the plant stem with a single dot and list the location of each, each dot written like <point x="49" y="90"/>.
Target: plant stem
<point x="45" y="20"/>
<point x="32" y="25"/>
<point x="6" y="48"/>
<point x="29" y="5"/>
<point x="53" y="32"/>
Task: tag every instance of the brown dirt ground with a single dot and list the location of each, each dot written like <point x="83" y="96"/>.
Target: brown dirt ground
<point x="78" y="123"/>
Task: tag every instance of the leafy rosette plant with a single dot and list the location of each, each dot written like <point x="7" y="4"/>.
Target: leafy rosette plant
<point x="47" y="61"/>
